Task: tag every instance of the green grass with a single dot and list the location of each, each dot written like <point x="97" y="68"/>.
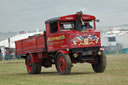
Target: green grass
<point x="14" y="73"/>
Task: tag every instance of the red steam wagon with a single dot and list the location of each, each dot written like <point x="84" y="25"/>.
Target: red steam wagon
<point x="67" y="40"/>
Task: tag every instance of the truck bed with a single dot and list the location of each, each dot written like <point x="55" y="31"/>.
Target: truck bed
<point x="31" y="44"/>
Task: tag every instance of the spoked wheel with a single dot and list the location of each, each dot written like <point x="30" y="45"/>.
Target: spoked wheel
<point x="32" y="68"/>
<point x="100" y="66"/>
<point x="63" y="63"/>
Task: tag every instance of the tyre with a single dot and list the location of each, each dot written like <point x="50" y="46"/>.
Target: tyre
<point x="32" y="68"/>
<point x="38" y="68"/>
<point x="100" y="66"/>
<point x="63" y="63"/>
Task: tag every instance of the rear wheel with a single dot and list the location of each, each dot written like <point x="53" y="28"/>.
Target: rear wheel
<point x="63" y="63"/>
<point x="100" y="66"/>
<point x="32" y="68"/>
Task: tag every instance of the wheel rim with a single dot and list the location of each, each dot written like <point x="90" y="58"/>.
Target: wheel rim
<point x="29" y="65"/>
<point x="62" y="64"/>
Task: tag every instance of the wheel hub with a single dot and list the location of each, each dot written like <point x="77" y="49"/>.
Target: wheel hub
<point x="62" y="64"/>
<point x="29" y="65"/>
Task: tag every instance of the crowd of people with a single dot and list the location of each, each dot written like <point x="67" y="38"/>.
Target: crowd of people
<point x="7" y="54"/>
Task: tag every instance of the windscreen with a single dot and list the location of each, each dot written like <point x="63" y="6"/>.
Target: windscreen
<point x="87" y="24"/>
<point x="67" y="25"/>
<point x="71" y="25"/>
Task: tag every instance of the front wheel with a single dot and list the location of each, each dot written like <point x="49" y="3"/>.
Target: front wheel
<point x="63" y="63"/>
<point x="32" y="68"/>
<point x="100" y="66"/>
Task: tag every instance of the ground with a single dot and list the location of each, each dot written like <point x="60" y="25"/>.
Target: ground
<point x="14" y="73"/>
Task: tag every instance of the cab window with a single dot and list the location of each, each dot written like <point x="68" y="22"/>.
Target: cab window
<point x="53" y="27"/>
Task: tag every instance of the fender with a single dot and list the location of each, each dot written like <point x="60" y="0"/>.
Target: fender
<point x="62" y="51"/>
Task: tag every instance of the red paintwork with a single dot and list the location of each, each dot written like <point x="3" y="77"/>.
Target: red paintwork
<point x="34" y="57"/>
<point x="62" y="64"/>
<point x="63" y="52"/>
<point x="29" y="65"/>
<point x="73" y="17"/>
<point x="70" y="36"/>
<point x="85" y="39"/>
<point x="30" y="45"/>
<point x="59" y="41"/>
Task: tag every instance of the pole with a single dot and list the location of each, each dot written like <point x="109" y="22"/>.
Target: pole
<point x="9" y="42"/>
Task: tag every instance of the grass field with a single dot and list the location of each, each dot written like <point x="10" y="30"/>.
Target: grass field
<point x="14" y="73"/>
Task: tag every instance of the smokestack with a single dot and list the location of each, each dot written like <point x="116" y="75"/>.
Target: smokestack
<point x="78" y="21"/>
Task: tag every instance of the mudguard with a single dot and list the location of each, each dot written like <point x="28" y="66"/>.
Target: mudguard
<point x="62" y="51"/>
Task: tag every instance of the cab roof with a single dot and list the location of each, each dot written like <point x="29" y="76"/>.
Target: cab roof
<point x="70" y="18"/>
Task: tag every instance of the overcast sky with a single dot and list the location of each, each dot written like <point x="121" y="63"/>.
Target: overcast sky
<point x="18" y="15"/>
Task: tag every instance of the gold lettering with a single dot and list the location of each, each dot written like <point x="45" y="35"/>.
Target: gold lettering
<point x="61" y="37"/>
